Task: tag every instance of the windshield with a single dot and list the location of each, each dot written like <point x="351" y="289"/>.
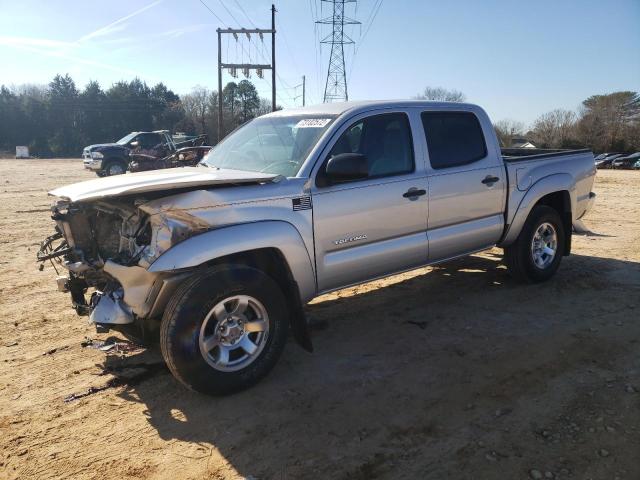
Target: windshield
<point x="126" y="139"/>
<point x="277" y="145"/>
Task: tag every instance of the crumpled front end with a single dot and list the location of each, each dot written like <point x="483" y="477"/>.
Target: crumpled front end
<point x="105" y="247"/>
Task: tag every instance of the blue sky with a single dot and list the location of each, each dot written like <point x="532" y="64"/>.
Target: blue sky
<point x="517" y="59"/>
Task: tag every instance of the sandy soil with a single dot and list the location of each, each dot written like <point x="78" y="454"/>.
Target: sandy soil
<point x="447" y="372"/>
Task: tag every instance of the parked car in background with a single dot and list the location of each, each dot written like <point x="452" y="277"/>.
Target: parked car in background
<point x="222" y="257"/>
<point x="108" y="159"/>
<point x="183" y="140"/>
<point x="194" y="141"/>
<point x="636" y="166"/>
<point x="183" y="157"/>
<point x="625" y="162"/>
<point x="604" y="159"/>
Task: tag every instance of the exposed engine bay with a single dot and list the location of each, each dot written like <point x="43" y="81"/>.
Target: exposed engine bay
<point x="101" y="231"/>
<point x="106" y="246"/>
<point x="110" y="231"/>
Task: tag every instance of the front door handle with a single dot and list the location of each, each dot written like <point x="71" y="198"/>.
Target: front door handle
<point x="489" y="180"/>
<point x="414" y="192"/>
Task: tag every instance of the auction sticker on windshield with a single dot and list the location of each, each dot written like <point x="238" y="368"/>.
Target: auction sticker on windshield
<point x="313" y="123"/>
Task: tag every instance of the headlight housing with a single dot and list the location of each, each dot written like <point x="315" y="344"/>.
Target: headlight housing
<point x="96" y="155"/>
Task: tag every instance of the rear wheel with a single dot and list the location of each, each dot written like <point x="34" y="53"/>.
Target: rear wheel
<point x="224" y="329"/>
<point x="535" y="256"/>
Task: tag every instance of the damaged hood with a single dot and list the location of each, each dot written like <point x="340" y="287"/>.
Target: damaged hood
<point x="157" y="180"/>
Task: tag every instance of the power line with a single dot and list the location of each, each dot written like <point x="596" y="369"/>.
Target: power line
<point x="371" y="22"/>
<point x="212" y="12"/>
<point x="286" y="43"/>
<point x="264" y="48"/>
<point x="245" y="13"/>
<point x="284" y="36"/>
<point x="263" y="51"/>
<point x="316" y="41"/>
<point x="372" y="16"/>
<point x="241" y="46"/>
<point x="229" y="12"/>
<point x="263" y="54"/>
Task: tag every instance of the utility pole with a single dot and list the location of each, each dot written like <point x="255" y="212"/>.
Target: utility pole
<point x="304" y="96"/>
<point x="220" y="122"/>
<point x="246" y="67"/>
<point x="273" y="57"/>
<point x="336" y="85"/>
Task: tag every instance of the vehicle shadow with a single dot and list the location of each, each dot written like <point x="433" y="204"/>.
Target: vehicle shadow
<point x="404" y="373"/>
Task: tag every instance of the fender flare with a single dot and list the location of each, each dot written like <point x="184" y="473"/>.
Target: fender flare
<point x="245" y="237"/>
<point x="551" y="184"/>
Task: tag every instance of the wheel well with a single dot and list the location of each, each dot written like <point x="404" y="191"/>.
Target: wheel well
<point x="273" y="263"/>
<point x="268" y="260"/>
<point x="561" y="203"/>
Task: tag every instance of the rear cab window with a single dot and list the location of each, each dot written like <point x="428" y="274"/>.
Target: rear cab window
<point x="150" y="140"/>
<point x="453" y="138"/>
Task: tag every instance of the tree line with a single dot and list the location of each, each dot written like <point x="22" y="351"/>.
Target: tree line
<point x="59" y="119"/>
<point x="602" y="123"/>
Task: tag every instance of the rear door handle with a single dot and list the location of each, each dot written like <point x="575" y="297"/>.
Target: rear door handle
<point x="414" y="192"/>
<point x="489" y="180"/>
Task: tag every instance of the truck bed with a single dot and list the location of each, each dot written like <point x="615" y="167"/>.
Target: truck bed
<point x="522" y="154"/>
<point x="574" y="169"/>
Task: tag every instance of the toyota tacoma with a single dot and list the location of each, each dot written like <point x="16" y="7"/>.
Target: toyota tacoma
<point x="220" y="258"/>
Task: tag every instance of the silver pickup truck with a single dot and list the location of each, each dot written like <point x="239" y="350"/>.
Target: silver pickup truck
<point x="220" y="258"/>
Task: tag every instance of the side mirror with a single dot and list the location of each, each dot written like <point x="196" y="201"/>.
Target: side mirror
<point x="346" y="167"/>
<point x="134" y="144"/>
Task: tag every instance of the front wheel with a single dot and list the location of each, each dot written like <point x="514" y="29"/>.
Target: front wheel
<point x="535" y="256"/>
<point x="114" y="168"/>
<point x="224" y="329"/>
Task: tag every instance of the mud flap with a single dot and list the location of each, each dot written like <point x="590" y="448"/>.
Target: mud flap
<point x="298" y="319"/>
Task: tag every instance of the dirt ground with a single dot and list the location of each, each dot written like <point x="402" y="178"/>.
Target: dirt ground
<point x="447" y="372"/>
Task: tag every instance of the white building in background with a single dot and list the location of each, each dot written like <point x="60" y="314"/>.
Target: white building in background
<point x="22" y="152"/>
<point x="519" y="142"/>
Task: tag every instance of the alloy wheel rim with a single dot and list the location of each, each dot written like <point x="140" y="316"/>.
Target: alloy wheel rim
<point x="234" y="333"/>
<point x="544" y="245"/>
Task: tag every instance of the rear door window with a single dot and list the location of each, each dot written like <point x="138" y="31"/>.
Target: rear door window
<point x="453" y="138"/>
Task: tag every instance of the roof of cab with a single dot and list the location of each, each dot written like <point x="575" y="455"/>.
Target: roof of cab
<point x="338" y="108"/>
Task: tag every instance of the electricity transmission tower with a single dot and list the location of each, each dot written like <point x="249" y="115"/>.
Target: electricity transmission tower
<point x="336" y="86"/>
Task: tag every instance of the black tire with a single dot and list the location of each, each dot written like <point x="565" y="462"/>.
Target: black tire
<point x="518" y="256"/>
<point x="187" y="310"/>
<point x="111" y="165"/>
